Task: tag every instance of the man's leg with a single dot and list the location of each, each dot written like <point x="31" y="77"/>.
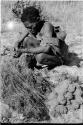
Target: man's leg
<point x="49" y="60"/>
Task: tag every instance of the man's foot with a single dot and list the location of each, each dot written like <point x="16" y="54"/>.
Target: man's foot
<point x="44" y="66"/>
<point x="17" y="54"/>
<point x="38" y="64"/>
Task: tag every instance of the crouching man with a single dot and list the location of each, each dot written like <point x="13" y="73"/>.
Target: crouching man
<point x="52" y="50"/>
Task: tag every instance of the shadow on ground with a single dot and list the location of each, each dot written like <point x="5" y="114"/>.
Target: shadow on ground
<point x="73" y="59"/>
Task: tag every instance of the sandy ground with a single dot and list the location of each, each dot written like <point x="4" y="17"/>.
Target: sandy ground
<point x="69" y="15"/>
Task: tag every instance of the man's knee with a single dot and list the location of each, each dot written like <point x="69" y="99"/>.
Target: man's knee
<point x="61" y="35"/>
<point x="40" y="58"/>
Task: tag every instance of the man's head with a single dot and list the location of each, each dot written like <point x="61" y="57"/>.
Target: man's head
<point x="30" y="17"/>
<point x="30" y="14"/>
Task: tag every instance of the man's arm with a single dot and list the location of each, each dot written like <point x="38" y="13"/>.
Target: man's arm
<point x="37" y="50"/>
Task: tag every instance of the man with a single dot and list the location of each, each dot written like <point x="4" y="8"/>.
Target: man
<point x="31" y="20"/>
<point x="52" y="39"/>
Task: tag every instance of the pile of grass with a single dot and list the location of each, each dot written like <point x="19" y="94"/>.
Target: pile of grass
<point x="24" y="91"/>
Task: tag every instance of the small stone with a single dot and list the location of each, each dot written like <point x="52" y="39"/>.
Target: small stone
<point x="79" y="99"/>
<point x="63" y="102"/>
<point x="78" y="92"/>
<point x="71" y="88"/>
<point x="69" y="106"/>
<point x="68" y="102"/>
<point x="75" y="105"/>
<point x="68" y="96"/>
<point x="61" y="109"/>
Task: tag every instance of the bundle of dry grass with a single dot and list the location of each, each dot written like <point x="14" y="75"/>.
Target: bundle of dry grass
<point x="24" y="91"/>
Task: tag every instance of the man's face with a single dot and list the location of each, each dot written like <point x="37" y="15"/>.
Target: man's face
<point x="30" y="26"/>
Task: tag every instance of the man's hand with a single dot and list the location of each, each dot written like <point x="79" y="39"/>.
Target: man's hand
<point x="17" y="53"/>
<point x="37" y="50"/>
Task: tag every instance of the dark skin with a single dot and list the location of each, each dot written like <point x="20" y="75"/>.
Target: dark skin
<point x="42" y="56"/>
<point x="41" y="52"/>
<point x="37" y="50"/>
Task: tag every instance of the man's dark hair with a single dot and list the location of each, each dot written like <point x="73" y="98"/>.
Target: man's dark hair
<point x="30" y="14"/>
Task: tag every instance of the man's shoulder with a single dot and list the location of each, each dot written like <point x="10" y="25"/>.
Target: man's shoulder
<point x="47" y="28"/>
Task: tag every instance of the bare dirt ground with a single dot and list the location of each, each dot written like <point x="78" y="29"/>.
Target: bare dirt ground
<point x="65" y="102"/>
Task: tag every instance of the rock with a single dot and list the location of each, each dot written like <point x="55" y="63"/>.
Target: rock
<point x="75" y="105"/>
<point x="63" y="102"/>
<point x="69" y="96"/>
<point x="71" y="88"/>
<point x="79" y="100"/>
<point x="78" y="92"/>
<point x="60" y="98"/>
<point x="63" y="87"/>
<point x="60" y="109"/>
